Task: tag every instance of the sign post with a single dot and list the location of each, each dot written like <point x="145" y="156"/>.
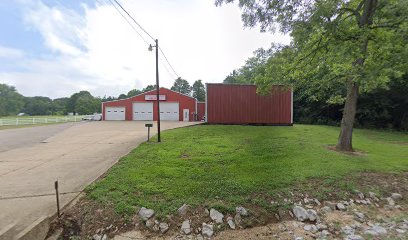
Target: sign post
<point x="148" y="125"/>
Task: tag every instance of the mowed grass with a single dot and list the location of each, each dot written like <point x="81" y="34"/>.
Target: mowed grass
<point x="228" y="165"/>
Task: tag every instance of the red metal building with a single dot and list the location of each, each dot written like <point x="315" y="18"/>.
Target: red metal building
<point x="174" y="106"/>
<point x="241" y="104"/>
<point x="200" y="111"/>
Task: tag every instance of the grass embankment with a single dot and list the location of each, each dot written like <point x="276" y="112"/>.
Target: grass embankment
<point x="226" y="166"/>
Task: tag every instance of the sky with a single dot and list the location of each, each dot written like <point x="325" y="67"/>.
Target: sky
<point x="57" y="47"/>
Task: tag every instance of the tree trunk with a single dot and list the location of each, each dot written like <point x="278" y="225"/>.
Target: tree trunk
<point x="349" y="114"/>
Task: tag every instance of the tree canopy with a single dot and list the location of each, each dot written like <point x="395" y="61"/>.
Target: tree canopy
<point x="182" y="86"/>
<point x="198" y="90"/>
<point x="11" y="102"/>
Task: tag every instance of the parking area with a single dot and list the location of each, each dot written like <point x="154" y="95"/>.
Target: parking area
<point x="75" y="154"/>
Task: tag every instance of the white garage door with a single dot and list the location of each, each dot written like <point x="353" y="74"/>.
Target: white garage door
<point x="169" y="111"/>
<point x="143" y="111"/>
<point x="115" y="113"/>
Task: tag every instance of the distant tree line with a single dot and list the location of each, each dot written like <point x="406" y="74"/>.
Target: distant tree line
<point x="315" y="104"/>
<point x="82" y="103"/>
<point x="12" y="103"/>
<point x="197" y="90"/>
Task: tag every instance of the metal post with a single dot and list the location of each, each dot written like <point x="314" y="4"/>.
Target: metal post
<point x="157" y="91"/>
<point x="57" y="195"/>
<point x="148" y="134"/>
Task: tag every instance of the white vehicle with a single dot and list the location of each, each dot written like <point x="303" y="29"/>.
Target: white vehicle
<point x="95" y="117"/>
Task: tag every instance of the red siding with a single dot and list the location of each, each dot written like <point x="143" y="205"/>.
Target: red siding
<point x="240" y="104"/>
<point x="185" y="102"/>
<point x="200" y="111"/>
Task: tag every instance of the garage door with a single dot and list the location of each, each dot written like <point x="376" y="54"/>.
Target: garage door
<point x="143" y="111"/>
<point x="169" y="111"/>
<point x="115" y="113"/>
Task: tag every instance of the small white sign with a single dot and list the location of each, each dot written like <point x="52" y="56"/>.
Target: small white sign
<point x="154" y="97"/>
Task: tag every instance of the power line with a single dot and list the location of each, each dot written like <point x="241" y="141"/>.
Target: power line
<point x="161" y="50"/>
<point x="127" y="20"/>
<point x="135" y="20"/>
<point x="166" y="68"/>
<point x="164" y="55"/>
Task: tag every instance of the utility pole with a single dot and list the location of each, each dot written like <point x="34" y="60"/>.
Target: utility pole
<point x="158" y="91"/>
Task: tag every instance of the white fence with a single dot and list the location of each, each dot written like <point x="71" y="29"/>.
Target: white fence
<point x="38" y="120"/>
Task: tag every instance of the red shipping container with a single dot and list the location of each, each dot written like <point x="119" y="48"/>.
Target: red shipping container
<point x="241" y="104"/>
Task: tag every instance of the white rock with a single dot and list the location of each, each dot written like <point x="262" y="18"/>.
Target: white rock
<point x="242" y="211"/>
<point x="312" y="215"/>
<point x="298" y="238"/>
<point x="325" y="210"/>
<point x="341" y="207"/>
<point x="354" y="237"/>
<point x="207" y="230"/>
<point x="372" y="195"/>
<point x="231" y="223"/>
<point x="149" y="223"/>
<point x="163" y="227"/>
<point x="376" y="230"/>
<point x="360" y="195"/>
<point x="360" y="216"/>
<point x="216" y="216"/>
<point x="317" y="202"/>
<point x="183" y="209"/>
<point x="145" y="213"/>
<point x="185" y="227"/>
<point x="300" y="213"/>
<point x="324" y="233"/>
<point x="321" y="227"/>
<point x="347" y="230"/>
<point x="400" y="231"/>
<point x="310" y="228"/>
<point x="99" y="237"/>
<point x="390" y="201"/>
<point x="396" y="196"/>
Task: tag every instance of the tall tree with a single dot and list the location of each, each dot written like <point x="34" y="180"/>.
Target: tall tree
<point x="253" y="66"/>
<point x="198" y="90"/>
<point x="59" y="106"/>
<point x="122" y="96"/>
<point x="359" y="45"/>
<point x="134" y="92"/>
<point x="11" y="102"/>
<point x="182" y="86"/>
<point x="149" y="88"/>
<point x="38" y="106"/>
<point x="83" y="103"/>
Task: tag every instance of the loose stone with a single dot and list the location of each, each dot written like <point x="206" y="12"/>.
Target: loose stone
<point x="185" y="227"/>
<point x="207" y="230"/>
<point x="145" y="213"/>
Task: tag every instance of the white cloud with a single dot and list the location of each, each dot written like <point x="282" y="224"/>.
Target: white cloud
<point x="8" y="53"/>
<point x="99" y="52"/>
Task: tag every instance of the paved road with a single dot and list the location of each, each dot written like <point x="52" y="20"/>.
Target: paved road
<point x="74" y="154"/>
<point x="22" y="137"/>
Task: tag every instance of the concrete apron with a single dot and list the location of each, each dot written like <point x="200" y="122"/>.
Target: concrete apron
<point x="75" y="157"/>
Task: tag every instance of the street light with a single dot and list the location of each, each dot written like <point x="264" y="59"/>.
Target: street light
<point x="157" y="87"/>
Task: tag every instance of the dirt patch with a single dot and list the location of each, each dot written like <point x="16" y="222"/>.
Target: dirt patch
<point x="352" y="153"/>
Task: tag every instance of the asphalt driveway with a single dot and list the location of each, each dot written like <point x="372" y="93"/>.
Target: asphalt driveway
<point x="75" y="154"/>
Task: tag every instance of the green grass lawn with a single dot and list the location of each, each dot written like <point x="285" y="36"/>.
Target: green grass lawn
<point x="212" y="165"/>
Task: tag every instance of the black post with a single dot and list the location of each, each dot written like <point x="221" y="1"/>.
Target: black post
<point x="57" y="195"/>
<point x="157" y="91"/>
<point x="148" y="134"/>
